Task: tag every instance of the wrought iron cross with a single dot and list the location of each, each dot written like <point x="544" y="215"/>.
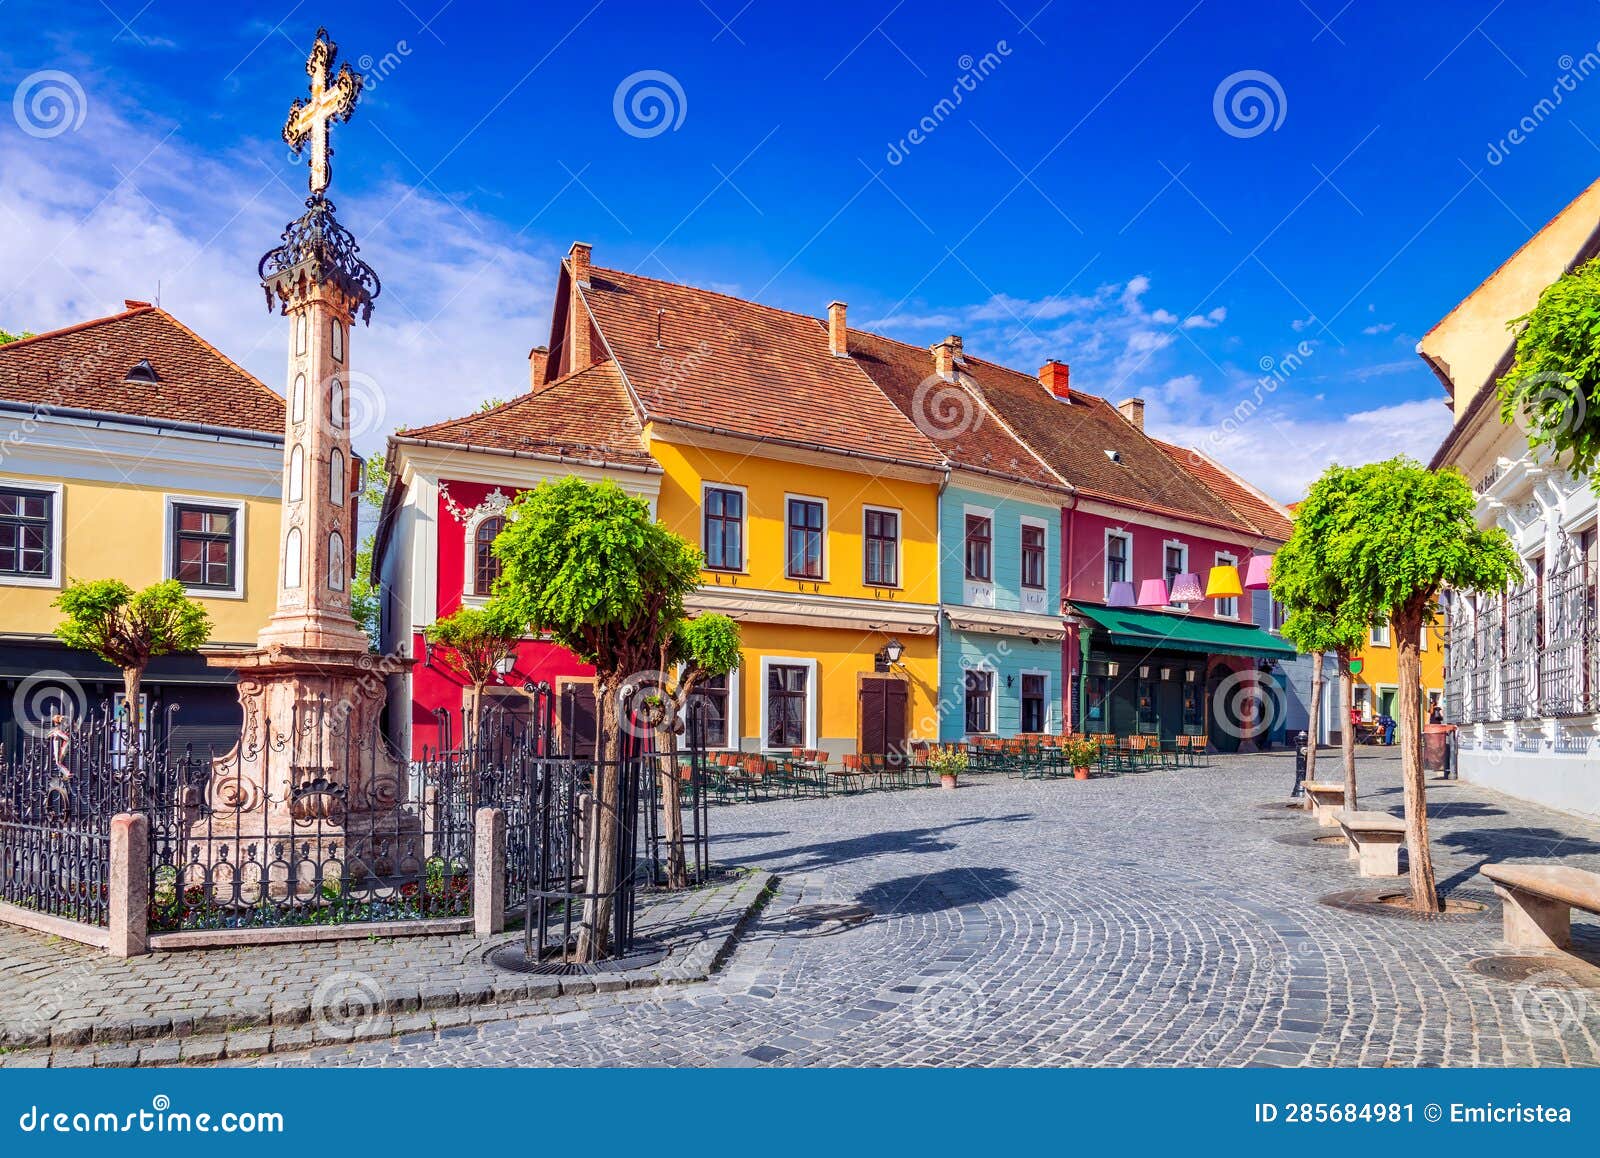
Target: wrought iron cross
<point x="336" y="101"/>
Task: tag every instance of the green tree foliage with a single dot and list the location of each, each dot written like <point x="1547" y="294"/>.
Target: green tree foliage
<point x="8" y="336"/>
<point x="473" y="641"/>
<point x="1400" y="535"/>
<point x="1553" y="388"/>
<point x="128" y="629"/>
<point x="587" y="564"/>
<point x="366" y="597"/>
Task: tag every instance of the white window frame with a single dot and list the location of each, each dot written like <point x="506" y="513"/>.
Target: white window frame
<point x="1105" y="556"/>
<point x="1027" y="594"/>
<point x="469" y="572"/>
<point x="57" y="521"/>
<point x="994" y="697"/>
<point x="1224" y="559"/>
<point x="899" y="546"/>
<point x="812" y="690"/>
<point x="980" y="592"/>
<point x="1049" y="699"/>
<point x="735" y="740"/>
<point x="1378" y="635"/>
<point x="827" y="560"/>
<point x="744" y="529"/>
<point x="169" y="503"/>
<point x="1183" y="570"/>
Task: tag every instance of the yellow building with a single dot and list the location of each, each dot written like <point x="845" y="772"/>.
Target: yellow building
<point x="1377" y="686"/>
<point x="814" y="499"/>
<point x="132" y="449"/>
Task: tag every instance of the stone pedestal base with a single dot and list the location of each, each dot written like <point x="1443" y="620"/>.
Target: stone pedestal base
<point x="1534" y="922"/>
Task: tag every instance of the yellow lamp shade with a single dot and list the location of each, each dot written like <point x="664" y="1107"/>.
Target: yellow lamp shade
<point x="1223" y="583"/>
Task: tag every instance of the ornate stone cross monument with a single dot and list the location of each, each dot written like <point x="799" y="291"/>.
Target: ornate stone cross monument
<point x="310" y="690"/>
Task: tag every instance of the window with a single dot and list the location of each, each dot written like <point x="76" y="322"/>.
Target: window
<point x="980" y="548"/>
<point x="1034" y="716"/>
<point x="300" y="333"/>
<point x="1175" y="561"/>
<point x="805" y="539"/>
<point x="297" y="399"/>
<point x="204" y="546"/>
<point x="297" y="474"/>
<point x="881" y="539"/>
<point x="724" y="530"/>
<point x="338" y="341"/>
<point x="1099" y="696"/>
<point x="1032" y="560"/>
<point x="336" y="404"/>
<point x="1361" y="701"/>
<point x="1380" y="635"/>
<point x="980" y="701"/>
<point x="336" y="561"/>
<point x="1119" y="546"/>
<point x="27" y="533"/>
<point x="1227" y="608"/>
<point x="786" y="705"/>
<point x="336" y="480"/>
<point x="1194" y="717"/>
<point x="1277" y="612"/>
<point x="713" y="717"/>
<point x="485" y="564"/>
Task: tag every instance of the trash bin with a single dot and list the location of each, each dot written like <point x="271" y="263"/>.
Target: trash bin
<point x="1436" y="747"/>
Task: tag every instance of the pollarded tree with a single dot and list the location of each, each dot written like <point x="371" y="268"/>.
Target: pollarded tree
<point x="1404" y="533"/>
<point x="1312" y="593"/>
<point x="1553" y="387"/>
<point x="695" y="651"/>
<point x="476" y="640"/>
<point x="128" y="629"/>
<point x="588" y="564"/>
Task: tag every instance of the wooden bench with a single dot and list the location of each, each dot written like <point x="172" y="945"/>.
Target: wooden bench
<point x="1375" y="839"/>
<point x="1324" y="799"/>
<point x="1538" y="900"/>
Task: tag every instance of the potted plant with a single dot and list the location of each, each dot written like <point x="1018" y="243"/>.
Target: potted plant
<point x="1081" y="753"/>
<point x="948" y="762"/>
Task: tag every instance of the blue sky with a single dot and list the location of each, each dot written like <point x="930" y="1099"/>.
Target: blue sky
<point x="1082" y="200"/>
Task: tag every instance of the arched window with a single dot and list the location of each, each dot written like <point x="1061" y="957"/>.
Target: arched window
<point x="336" y="404"/>
<point x="335" y="562"/>
<point x="291" y="558"/>
<point x="300" y="333"/>
<point x="336" y="479"/>
<point x="297" y="401"/>
<point x="297" y="474"/>
<point x="485" y="565"/>
<point x="338" y="341"/>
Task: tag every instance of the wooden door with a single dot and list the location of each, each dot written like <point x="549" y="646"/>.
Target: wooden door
<point x="882" y="716"/>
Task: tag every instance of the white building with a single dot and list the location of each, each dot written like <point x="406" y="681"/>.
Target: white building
<point x="1523" y="669"/>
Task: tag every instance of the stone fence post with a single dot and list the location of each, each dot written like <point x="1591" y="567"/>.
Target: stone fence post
<point x="489" y="871"/>
<point x="129" y="899"/>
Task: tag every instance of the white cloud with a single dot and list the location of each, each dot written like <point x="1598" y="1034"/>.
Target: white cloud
<point x="1207" y="321"/>
<point x="1378" y="328"/>
<point x="120" y="208"/>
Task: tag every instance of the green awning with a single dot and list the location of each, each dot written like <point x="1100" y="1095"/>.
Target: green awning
<point x="1129" y="627"/>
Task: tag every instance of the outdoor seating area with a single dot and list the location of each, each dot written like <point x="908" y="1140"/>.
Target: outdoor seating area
<point x="740" y="777"/>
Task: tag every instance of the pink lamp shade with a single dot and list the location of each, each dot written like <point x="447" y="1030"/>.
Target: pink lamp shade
<point x="1186" y="588"/>
<point x="1258" y="575"/>
<point x="1120" y="595"/>
<point x="1223" y="582"/>
<point x="1153" y="593"/>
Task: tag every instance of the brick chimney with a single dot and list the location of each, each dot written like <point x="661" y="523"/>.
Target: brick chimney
<point x="1133" y="410"/>
<point x="947" y="356"/>
<point x="537" y="358"/>
<point x="134" y="304"/>
<point x="579" y="356"/>
<point x="1055" y="377"/>
<point x="838" y="333"/>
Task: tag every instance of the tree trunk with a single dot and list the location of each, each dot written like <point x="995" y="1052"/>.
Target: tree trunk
<point x="1407" y="625"/>
<point x="671" y="805"/>
<point x="132" y="677"/>
<point x="600" y="857"/>
<point x="1347" y="731"/>
<point x="474" y="716"/>
<point x="1316" y="715"/>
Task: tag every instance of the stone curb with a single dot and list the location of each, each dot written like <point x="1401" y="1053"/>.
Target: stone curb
<point x="246" y="1031"/>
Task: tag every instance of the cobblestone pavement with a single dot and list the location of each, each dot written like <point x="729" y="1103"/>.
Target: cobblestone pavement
<point x="1148" y="919"/>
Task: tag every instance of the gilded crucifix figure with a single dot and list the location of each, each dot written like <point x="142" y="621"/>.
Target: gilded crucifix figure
<point x="333" y="98"/>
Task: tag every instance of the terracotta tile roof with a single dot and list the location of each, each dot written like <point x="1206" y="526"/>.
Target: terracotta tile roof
<point x="1270" y="518"/>
<point x="955" y="416"/>
<point x="586" y="415"/>
<point x="745" y="369"/>
<point x="1073" y="439"/>
<point x="84" y="367"/>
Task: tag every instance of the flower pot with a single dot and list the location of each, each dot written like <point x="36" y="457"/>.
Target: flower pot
<point x="1080" y="773"/>
<point x="947" y="780"/>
